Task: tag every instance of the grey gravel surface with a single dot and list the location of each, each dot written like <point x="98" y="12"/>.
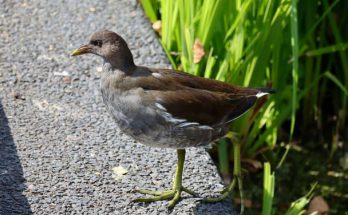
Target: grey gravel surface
<point x="60" y="152"/>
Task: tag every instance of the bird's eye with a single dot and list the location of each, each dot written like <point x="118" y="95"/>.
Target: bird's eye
<point x="97" y="43"/>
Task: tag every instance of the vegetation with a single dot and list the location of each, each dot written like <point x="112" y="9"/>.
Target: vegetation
<point x="297" y="48"/>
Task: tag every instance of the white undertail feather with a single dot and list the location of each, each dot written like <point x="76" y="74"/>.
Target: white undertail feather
<point x="260" y="94"/>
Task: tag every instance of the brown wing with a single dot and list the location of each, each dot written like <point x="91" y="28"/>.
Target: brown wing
<point x="167" y="79"/>
<point x="196" y="99"/>
<point x="204" y="107"/>
<point x="197" y="82"/>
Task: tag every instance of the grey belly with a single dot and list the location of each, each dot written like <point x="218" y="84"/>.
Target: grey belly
<point x="149" y="126"/>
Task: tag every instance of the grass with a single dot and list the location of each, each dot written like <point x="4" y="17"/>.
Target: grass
<point x="268" y="188"/>
<point x="298" y="48"/>
<point x="241" y="46"/>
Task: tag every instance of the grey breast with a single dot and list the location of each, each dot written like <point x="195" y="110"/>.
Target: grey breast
<point x="151" y="124"/>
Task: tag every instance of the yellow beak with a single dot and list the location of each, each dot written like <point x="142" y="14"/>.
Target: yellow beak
<point x="85" y="49"/>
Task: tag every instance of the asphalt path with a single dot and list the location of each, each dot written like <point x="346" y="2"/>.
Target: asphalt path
<point x="60" y="152"/>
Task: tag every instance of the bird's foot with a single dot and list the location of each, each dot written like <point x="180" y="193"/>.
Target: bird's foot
<point x="173" y="194"/>
<point x="225" y="193"/>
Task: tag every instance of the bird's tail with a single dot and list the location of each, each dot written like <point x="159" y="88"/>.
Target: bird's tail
<point x="264" y="91"/>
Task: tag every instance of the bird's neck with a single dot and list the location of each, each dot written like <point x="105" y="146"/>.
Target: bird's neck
<point x="110" y="68"/>
<point x="122" y="62"/>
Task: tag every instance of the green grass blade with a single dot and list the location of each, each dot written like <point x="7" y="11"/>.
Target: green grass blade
<point x="150" y="9"/>
<point x="295" y="69"/>
<point x="315" y="25"/>
<point x="338" y="83"/>
<point x="344" y="62"/>
<point x="328" y="50"/>
<point x="268" y="189"/>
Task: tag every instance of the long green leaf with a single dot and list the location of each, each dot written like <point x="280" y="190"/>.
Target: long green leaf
<point x="295" y="69"/>
<point x="268" y="189"/>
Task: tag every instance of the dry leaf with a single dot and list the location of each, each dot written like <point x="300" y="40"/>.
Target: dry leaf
<point x="118" y="172"/>
<point x="319" y="205"/>
<point x="67" y="79"/>
<point x="198" y="51"/>
<point x="43" y="105"/>
<point x="157" y="26"/>
<point x="133" y="13"/>
<point x="246" y="202"/>
<point x="254" y="163"/>
<point x="157" y="182"/>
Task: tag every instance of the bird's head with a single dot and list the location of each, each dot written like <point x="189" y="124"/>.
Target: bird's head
<point x="110" y="46"/>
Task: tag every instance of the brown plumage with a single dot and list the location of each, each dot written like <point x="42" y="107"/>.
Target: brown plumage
<point x="205" y="101"/>
<point x="163" y="107"/>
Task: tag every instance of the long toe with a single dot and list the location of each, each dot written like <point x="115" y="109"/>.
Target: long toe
<point x="159" y="197"/>
<point x="225" y="193"/>
<point x="174" y="195"/>
<point x="217" y="199"/>
<point x="153" y="192"/>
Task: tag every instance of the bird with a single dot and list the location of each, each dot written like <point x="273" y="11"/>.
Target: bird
<point x="165" y="108"/>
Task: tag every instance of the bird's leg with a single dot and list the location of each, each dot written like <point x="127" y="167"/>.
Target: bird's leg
<point x="173" y="194"/>
<point x="237" y="178"/>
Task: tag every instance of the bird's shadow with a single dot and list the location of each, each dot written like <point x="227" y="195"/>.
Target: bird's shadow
<point x="218" y="208"/>
<point x="201" y="208"/>
<point x="12" y="182"/>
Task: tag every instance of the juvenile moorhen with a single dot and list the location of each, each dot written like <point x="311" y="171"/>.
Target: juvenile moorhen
<point x="163" y="107"/>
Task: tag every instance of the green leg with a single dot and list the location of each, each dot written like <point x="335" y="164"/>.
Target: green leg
<point x="173" y="194"/>
<point x="237" y="173"/>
